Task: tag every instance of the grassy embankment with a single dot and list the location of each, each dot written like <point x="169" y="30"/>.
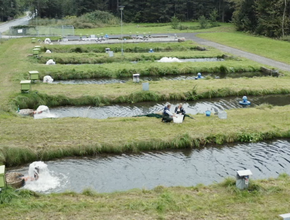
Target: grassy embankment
<point x="24" y="139"/>
<point x="265" y="200"/>
<point x="93" y="58"/>
<point x="126" y="69"/>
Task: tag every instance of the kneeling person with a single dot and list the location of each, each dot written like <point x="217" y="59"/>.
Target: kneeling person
<point x="167" y="116"/>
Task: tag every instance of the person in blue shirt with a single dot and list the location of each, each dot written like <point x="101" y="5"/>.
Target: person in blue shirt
<point x="167" y="116"/>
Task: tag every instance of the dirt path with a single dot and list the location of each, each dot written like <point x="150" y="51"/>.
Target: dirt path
<point x="237" y="52"/>
<point x="20" y="21"/>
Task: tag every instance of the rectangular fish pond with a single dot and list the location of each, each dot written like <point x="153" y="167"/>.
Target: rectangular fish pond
<point x="214" y="105"/>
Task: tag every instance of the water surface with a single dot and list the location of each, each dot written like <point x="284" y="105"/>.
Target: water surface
<point x="193" y="107"/>
<point x="158" y="78"/>
<point x="169" y="168"/>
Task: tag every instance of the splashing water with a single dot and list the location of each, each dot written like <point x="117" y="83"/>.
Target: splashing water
<point x="169" y="60"/>
<point x="43" y="112"/>
<point x="41" y="179"/>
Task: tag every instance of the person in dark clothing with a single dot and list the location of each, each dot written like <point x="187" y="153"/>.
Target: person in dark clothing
<point x="180" y="110"/>
<point x="167" y="116"/>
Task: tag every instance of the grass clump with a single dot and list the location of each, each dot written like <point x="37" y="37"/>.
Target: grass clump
<point x="9" y="195"/>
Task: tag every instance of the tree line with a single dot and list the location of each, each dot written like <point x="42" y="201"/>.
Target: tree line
<point x="270" y="18"/>
<point x="135" y="10"/>
<point x="11" y="8"/>
<point x="266" y="17"/>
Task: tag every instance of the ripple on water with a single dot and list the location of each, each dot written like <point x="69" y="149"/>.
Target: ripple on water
<point x="170" y="168"/>
<point x="214" y="105"/>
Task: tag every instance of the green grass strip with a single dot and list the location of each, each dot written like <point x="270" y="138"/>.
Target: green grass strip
<point x="25" y="139"/>
<point x="268" y="197"/>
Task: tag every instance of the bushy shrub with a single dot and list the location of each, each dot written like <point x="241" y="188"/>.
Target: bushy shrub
<point x="174" y="22"/>
<point x="203" y="22"/>
<point x="88" y="20"/>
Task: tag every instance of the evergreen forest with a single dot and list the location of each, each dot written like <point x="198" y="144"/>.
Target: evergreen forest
<point x="269" y="18"/>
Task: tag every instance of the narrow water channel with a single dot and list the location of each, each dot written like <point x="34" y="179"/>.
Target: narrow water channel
<point x="193" y="108"/>
<point x="188" y="167"/>
<point x="158" y="78"/>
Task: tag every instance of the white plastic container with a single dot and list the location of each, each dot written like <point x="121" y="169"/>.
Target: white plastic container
<point x="178" y="118"/>
<point x="145" y="86"/>
<point x="136" y="77"/>
<point x="222" y="115"/>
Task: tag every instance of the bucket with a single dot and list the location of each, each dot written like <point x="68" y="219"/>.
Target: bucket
<point x="178" y="118"/>
<point x="222" y="115"/>
<point x="207" y="113"/>
<point x="111" y="53"/>
<point x="145" y="86"/>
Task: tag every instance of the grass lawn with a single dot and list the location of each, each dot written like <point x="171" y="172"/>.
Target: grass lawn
<point x="270" y="48"/>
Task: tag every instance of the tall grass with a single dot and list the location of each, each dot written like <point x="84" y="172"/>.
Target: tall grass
<point x="14" y="156"/>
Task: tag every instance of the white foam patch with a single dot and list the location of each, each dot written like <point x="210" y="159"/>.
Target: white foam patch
<point x="169" y="60"/>
<point x="43" y="112"/>
<point x="47" y="180"/>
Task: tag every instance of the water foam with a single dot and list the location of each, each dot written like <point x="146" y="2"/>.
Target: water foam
<point x="47" y="180"/>
<point x="169" y="60"/>
<point x="43" y="112"/>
